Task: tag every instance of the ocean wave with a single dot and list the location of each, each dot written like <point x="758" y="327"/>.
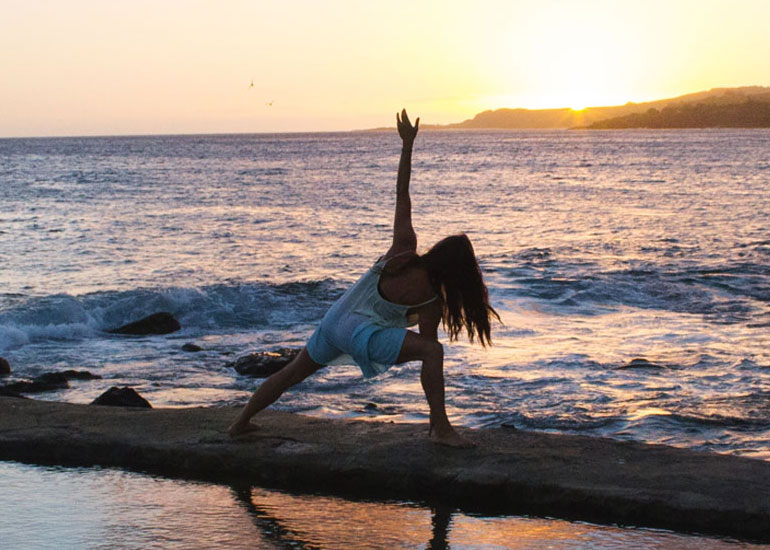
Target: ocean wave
<point x="675" y="422"/>
<point x="245" y="306"/>
<point x="731" y="292"/>
<point x="567" y="423"/>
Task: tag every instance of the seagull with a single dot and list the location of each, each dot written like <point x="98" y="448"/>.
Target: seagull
<point x="269" y="103"/>
<point x="252" y="83"/>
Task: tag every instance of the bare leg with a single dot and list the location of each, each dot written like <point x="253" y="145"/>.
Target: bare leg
<point x="271" y="389"/>
<point x="431" y="352"/>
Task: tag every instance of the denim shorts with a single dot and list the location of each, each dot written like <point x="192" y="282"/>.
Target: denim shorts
<point x="373" y="348"/>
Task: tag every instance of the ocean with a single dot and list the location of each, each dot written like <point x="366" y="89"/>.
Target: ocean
<point x="598" y="248"/>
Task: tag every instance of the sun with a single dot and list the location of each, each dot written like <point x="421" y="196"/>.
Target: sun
<point x="581" y="96"/>
<point x="576" y="59"/>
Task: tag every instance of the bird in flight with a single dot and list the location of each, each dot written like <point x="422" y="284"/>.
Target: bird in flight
<point x="252" y="83"/>
<point x="269" y="103"/>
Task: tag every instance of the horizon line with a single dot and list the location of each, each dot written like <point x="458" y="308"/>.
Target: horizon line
<point x="428" y="127"/>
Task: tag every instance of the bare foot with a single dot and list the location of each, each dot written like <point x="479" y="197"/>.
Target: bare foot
<point x="451" y="438"/>
<point x="236" y="429"/>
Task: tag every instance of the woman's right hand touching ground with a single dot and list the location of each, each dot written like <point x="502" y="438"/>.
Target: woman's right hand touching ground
<point x="405" y="128"/>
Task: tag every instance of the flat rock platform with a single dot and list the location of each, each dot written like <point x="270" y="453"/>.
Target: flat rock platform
<point x="510" y="471"/>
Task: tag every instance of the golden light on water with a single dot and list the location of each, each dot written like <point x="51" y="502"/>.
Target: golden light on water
<point x="648" y="411"/>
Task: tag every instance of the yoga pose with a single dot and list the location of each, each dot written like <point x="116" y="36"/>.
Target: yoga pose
<point x="368" y="324"/>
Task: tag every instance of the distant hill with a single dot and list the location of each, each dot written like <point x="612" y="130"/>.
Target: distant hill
<point x="591" y="116"/>
<point x="727" y="111"/>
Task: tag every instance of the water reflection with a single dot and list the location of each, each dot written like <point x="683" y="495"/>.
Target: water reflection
<point x="271" y="527"/>
<point x="441" y="521"/>
<point x="333" y="522"/>
<point x="316" y="522"/>
<point x="92" y="508"/>
<point x="322" y="522"/>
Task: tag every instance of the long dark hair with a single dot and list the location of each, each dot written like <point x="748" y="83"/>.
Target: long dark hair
<point x="455" y="275"/>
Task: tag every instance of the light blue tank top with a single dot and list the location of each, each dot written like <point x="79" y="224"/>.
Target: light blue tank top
<point x="359" y="313"/>
<point x="364" y="298"/>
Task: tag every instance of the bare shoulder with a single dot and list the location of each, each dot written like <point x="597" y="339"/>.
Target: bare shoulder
<point x="397" y="260"/>
<point x="406" y="281"/>
<point x="419" y="281"/>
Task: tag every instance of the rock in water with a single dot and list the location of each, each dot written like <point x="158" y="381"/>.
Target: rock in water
<point x="79" y="375"/>
<point x="189" y="346"/>
<point x="43" y="383"/>
<point x="5" y="392"/>
<point x="264" y="363"/>
<point x="641" y="363"/>
<point x="5" y="366"/>
<point x="50" y="381"/>
<point x="121" y="397"/>
<point x="157" y="323"/>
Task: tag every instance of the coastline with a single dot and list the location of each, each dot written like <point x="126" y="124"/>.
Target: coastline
<point x="571" y="477"/>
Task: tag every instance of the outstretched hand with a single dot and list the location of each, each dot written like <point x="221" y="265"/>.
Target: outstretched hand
<point x="405" y="128"/>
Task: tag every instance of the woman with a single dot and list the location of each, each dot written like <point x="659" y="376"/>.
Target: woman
<point x="368" y="323"/>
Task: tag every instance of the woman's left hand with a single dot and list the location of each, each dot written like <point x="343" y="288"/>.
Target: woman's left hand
<point x="405" y="128"/>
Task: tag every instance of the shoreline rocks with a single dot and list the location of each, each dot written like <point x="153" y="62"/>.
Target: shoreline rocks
<point x="121" y="397"/>
<point x="5" y="366"/>
<point x="48" y="381"/>
<point x="264" y="363"/>
<point x="10" y="393"/>
<point x="157" y="323"/>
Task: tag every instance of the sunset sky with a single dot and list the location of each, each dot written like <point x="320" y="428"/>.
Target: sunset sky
<point x="85" y="67"/>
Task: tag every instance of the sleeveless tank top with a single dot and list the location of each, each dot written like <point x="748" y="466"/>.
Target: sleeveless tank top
<point x="364" y="298"/>
<point x="360" y="312"/>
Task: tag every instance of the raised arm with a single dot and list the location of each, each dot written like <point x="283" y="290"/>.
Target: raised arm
<point x="404" y="238"/>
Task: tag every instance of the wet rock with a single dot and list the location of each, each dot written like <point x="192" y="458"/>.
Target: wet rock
<point x="38" y="385"/>
<point x="79" y="375"/>
<point x="641" y="363"/>
<point x="157" y="323"/>
<point x="189" y="346"/>
<point x="121" y="397"/>
<point x="371" y="407"/>
<point x="50" y="381"/>
<point x="264" y="363"/>
<point x="5" y="366"/>
<point x="5" y="392"/>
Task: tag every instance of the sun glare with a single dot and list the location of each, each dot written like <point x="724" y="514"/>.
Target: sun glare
<point x="574" y="59"/>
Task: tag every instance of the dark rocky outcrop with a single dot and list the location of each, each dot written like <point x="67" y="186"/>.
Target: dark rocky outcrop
<point x="70" y="374"/>
<point x="122" y="397"/>
<point x="264" y="363"/>
<point x="5" y="392"/>
<point x="5" y="366"/>
<point x="193" y="348"/>
<point x="157" y="323"/>
<point x="49" y="381"/>
<point x="38" y="385"/>
<point x="509" y="472"/>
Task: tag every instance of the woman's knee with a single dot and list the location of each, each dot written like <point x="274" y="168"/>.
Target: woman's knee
<point x="431" y="350"/>
<point x="419" y="348"/>
<point x="435" y="350"/>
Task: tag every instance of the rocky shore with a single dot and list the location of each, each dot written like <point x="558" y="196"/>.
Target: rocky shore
<point x="510" y="471"/>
